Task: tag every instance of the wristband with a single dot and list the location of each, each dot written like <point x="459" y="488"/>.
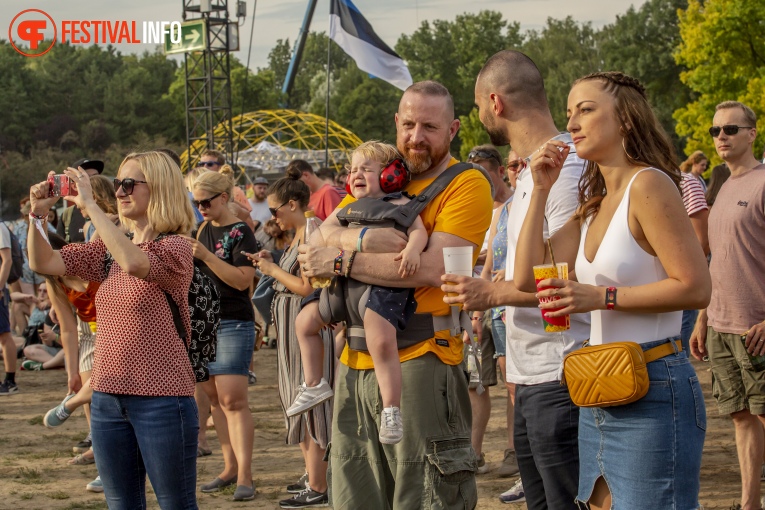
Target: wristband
<point x="610" y="298"/>
<point x="361" y="236"/>
<point x="42" y="217"/>
<point x="338" y="269"/>
<point x="350" y="264"/>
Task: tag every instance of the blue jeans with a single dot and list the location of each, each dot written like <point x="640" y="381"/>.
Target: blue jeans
<point x="134" y="436"/>
<point x="689" y="320"/>
<point x="499" y="335"/>
<point x="649" y="451"/>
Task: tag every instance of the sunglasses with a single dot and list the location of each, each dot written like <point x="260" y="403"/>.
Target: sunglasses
<point x="208" y="164"/>
<point x="483" y="155"/>
<point x="273" y="210"/>
<point x="206" y="202"/>
<point x="728" y="129"/>
<point x="127" y="185"/>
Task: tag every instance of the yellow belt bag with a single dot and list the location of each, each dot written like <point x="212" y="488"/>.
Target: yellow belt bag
<point x="611" y="374"/>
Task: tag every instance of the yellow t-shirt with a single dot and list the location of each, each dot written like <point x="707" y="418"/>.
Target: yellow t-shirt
<point x="463" y="209"/>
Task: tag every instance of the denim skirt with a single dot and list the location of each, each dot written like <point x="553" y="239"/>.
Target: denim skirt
<point x="649" y="451"/>
<point x="236" y="342"/>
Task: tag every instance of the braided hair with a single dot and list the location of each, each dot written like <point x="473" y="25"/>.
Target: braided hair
<point x="644" y="140"/>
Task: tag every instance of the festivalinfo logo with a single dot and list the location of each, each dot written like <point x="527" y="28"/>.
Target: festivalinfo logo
<point x="33" y="32"/>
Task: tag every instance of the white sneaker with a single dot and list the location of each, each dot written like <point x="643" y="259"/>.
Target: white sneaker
<point x="515" y="494"/>
<point x="309" y="397"/>
<point x="391" y="426"/>
<point x="95" y="486"/>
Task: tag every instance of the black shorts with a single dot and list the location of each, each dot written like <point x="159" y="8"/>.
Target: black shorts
<point x="394" y="305"/>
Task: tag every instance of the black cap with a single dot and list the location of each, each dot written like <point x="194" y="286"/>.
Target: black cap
<point x="86" y="163"/>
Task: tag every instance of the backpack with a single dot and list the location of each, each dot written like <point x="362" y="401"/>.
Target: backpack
<point x="17" y="257"/>
<point x="204" y="312"/>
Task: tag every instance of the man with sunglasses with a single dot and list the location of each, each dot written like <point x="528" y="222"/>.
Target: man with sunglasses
<point x="71" y="224"/>
<point x="732" y="329"/>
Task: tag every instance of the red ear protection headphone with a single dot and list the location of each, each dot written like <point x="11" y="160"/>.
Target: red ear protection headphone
<point x="393" y="178"/>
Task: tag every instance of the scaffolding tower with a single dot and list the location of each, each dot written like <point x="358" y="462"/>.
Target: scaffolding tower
<point x="208" y="81"/>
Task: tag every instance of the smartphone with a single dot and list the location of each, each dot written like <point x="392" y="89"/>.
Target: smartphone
<point x="758" y="362"/>
<point x="61" y="186"/>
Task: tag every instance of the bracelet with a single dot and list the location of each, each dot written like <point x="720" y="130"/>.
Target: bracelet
<point x="41" y="217"/>
<point x="350" y="263"/>
<point x="361" y="236"/>
<point x="338" y="269"/>
<point x="610" y="298"/>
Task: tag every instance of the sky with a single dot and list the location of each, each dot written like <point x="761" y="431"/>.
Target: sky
<point x="281" y="19"/>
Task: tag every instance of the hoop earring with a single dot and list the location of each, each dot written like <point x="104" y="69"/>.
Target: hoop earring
<point x="629" y="158"/>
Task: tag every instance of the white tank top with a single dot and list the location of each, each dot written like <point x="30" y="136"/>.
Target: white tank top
<point x="621" y="262"/>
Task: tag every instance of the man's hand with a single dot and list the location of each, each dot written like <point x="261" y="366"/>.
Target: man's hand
<point x="698" y="341"/>
<point x="755" y="340"/>
<point x="472" y="293"/>
<point x="383" y="240"/>
<point x="317" y="262"/>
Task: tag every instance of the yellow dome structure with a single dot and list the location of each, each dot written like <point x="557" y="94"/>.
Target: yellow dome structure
<point x="266" y="141"/>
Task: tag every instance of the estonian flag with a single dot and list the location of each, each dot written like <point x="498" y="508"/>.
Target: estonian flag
<point x="354" y="34"/>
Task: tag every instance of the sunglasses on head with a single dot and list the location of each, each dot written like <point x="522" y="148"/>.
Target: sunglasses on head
<point x="728" y="129"/>
<point x="484" y="155"/>
<point x="206" y="202"/>
<point x="208" y="163"/>
<point x="127" y="185"/>
<point x="273" y="210"/>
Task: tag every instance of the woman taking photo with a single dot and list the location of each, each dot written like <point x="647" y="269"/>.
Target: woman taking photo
<point x="288" y="202"/>
<point x="220" y="241"/>
<point x="638" y="265"/>
<point x="143" y="416"/>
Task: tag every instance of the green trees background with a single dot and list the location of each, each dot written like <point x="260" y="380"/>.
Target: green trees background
<point x="94" y="101"/>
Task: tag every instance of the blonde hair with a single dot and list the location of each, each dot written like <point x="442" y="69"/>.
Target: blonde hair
<point x="749" y="114"/>
<point x="215" y="182"/>
<point x="192" y="176"/>
<point x="103" y="193"/>
<point x="169" y="208"/>
<point x="378" y="151"/>
<point x="695" y="158"/>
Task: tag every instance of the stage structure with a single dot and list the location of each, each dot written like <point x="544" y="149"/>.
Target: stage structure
<point x="267" y="140"/>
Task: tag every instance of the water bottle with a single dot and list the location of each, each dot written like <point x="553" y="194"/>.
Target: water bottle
<point x="311" y="226"/>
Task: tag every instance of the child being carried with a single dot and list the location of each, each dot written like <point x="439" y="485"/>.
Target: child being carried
<point x="388" y="309"/>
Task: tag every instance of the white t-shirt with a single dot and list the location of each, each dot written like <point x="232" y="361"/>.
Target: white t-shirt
<point x="533" y="356"/>
<point x="259" y="211"/>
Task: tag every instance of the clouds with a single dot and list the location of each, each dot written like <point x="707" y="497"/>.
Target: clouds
<point x="281" y="19"/>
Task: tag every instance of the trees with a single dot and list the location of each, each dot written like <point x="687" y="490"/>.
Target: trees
<point x="723" y="47"/>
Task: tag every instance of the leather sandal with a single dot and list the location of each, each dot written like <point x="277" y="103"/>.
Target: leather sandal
<point x="82" y="460"/>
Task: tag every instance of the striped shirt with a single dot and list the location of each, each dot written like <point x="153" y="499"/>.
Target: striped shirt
<point x="693" y="194"/>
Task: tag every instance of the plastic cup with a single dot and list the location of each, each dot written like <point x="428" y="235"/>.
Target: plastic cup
<point x="544" y="272"/>
<point x="458" y="260"/>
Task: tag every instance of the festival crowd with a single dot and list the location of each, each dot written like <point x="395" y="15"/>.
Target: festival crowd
<point x="597" y="264"/>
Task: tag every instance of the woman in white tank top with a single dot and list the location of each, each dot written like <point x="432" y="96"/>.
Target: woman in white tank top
<point x="631" y="238"/>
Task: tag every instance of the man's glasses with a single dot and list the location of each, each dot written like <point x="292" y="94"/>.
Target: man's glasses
<point x="127" y="185"/>
<point x="206" y="202"/>
<point x="484" y="155"/>
<point x="728" y="129"/>
<point x="273" y="210"/>
<point x="208" y="164"/>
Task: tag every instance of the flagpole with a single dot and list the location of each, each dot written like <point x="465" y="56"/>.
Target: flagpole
<point x="326" y="108"/>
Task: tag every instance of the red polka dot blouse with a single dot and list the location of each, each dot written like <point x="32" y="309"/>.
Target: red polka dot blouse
<point x="138" y="350"/>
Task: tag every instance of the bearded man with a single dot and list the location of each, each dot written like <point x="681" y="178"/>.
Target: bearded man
<point x="434" y="465"/>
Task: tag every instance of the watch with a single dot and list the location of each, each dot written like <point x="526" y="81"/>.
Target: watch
<point x="610" y="298"/>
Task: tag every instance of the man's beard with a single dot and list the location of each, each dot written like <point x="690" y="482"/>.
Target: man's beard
<point x="420" y="163"/>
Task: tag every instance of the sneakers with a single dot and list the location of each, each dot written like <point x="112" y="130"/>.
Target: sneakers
<point x="509" y="466"/>
<point x="301" y="484"/>
<point x="84" y="445"/>
<point x="31" y="365"/>
<point x="217" y="485"/>
<point x="8" y="388"/>
<point x="482" y="466"/>
<point x="244" y="493"/>
<point x="95" y="486"/>
<point x="515" y="494"/>
<point x="307" y="498"/>
<point x="58" y="414"/>
<point x="310" y="397"/>
<point x="252" y="378"/>
<point x="391" y="426"/>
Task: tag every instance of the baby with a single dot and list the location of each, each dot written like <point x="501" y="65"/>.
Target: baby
<point x="387" y="310"/>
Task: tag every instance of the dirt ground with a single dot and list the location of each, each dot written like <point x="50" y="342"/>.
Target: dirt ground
<point x="34" y="473"/>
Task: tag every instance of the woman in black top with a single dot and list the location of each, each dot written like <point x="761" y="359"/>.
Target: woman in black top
<point x="218" y="246"/>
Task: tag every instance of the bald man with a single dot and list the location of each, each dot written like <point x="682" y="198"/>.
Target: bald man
<point x="512" y="105"/>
